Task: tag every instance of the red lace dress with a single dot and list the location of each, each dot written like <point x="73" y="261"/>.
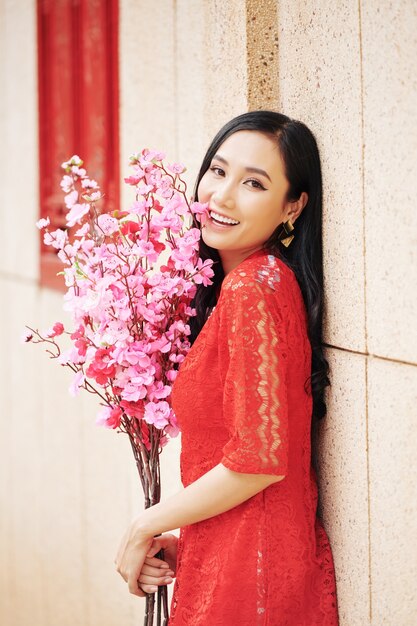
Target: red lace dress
<point x="240" y="400"/>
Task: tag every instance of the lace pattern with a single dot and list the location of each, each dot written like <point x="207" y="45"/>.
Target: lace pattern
<point x="241" y="400"/>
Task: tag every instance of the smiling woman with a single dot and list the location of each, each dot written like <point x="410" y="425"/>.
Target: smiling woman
<point x="257" y="206"/>
<point x="252" y="551"/>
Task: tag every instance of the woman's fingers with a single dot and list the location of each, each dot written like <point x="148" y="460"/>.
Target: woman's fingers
<point x="154" y="562"/>
<point x="169" y="543"/>
<point x="163" y="541"/>
<point x="142" y="570"/>
<point x="151" y="585"/>
<point x="152" y="580"/>
<point x="156" y="572"/>
<point x="133" y="585"/>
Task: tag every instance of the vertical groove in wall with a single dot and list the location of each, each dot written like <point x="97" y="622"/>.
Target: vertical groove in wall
<point x="365" y="310"/>
<point x="86" y="573"/>
<point x="176" y="87"/>
<point x="262" y="54"/>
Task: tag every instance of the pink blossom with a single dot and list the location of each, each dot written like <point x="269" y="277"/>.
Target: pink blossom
<point x="100" y="369"/>
<point x="156" y="155"/>
<point x="172" y="428"/>
<point x="74" y="160"/>
<point x="77" y="212"/>
<point x="133" y="409"/>
<point x="134" y="392"/>
<point x="43" y="222"/>
<point x="81" y="232"/>
<point x="162" y="345"/>
<point x="109" y="417"/>
<point x="108" y="225"/>
<point x="129" y="300"/>
<point x="165" y="285"/>
<point x="77" y="382"/>
<point x="71" y="198"/>
<point x="81" y="342"/>
<point x="176" y="358"/>
<point x="66" y="183"/>
<point x="133" y="179"/>
<point x="56" y="330"/>
<point x="147" y="249"/>
<point x="188" y="243"/>
<point x="182" y="260"/>
<point x="157" y="413"/>
<point x="88" y="183"/>
<point x="139" y="208"/>
<point x="171" y="375"/>
<point x="176" y="168"/>
<point x="115" y="332"/>
<point x="147" y="156"/>
<point x="78" y="171"/>
<point x="158" y="391"/>
<point x="171" y="221"/>
<point x="57" y="238"/>
<point x="176" y="205"/>
<point x="205" y="272"/>
<point x="72" y="357"/>
<point x="200" y="211"/>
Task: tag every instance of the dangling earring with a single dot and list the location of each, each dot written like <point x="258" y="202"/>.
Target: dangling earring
<point x="285" y="235"/>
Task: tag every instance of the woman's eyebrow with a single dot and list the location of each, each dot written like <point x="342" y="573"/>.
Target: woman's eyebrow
<point x="248" y="169"/>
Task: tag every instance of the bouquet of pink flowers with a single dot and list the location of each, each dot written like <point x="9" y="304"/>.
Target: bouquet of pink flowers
<point x="131" y="278"/>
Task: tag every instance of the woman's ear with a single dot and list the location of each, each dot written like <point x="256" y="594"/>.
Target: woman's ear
<point x="295" y="208"/>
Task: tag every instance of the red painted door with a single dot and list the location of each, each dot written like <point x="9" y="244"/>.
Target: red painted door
<point x="78" y="105"/>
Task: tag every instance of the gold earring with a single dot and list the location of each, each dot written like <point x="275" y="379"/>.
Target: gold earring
<point x="285" y="235"/>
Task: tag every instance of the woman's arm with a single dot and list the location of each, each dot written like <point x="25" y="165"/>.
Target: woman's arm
<point x="217" y="491"/>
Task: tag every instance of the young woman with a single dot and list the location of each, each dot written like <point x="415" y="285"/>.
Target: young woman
<point x="252" y="551"/>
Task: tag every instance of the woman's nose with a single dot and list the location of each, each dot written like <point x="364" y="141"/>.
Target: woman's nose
<point x="223" y="196"/>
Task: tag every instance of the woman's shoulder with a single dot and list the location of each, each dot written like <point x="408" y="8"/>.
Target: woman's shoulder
<point x="261" y="272"/>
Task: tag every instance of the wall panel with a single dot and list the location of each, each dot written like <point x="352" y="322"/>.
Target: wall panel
<point x="390" y="117"/>
<point x="320" y="84"/>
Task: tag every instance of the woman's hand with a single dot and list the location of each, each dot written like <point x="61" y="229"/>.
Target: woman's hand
<point x="156" y="572"/>
<point x="131" y="556"/>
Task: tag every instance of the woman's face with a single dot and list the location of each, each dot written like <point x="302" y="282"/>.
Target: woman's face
<point x="245" y="186"/>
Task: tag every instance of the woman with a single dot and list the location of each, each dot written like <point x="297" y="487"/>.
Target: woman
<point x="251" y="550"/>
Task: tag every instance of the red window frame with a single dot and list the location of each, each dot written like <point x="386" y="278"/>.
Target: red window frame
<point x="78" y="84"/>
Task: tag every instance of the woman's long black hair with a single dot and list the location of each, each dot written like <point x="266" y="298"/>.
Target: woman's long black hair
<point x="299" y="151"/>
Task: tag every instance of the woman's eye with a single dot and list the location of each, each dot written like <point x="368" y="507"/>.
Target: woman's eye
<point x="216" y="169"/>
<point x="257" y="184"/>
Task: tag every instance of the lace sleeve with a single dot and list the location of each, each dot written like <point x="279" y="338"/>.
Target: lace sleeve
<point x="254" y="337"/>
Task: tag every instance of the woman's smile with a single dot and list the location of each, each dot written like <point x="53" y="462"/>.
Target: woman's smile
<point x="220" y="220"/>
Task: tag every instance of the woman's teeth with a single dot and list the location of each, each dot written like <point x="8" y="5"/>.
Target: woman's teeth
<point x="223" y="220"/>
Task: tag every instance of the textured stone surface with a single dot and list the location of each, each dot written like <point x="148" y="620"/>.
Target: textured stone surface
<point x="320" y="84"/>
<point x="225" y="63"/>
<point x="147" y="79"/>
<point x="341" y="454"/>
<point x="20" y="485"/>
<point x="393" y="496"/>
<point x="18" y="139"/>
<point x="192" y="139"/>
<point x="109" y="479"/>
<point x="262" y="53"/>
<point x="390" y="115"/>
<point x="61" y="519"/>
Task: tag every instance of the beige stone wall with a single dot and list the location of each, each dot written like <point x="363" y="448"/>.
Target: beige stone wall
<point x="67" y="488"/>
<point x="344" y="68"/>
